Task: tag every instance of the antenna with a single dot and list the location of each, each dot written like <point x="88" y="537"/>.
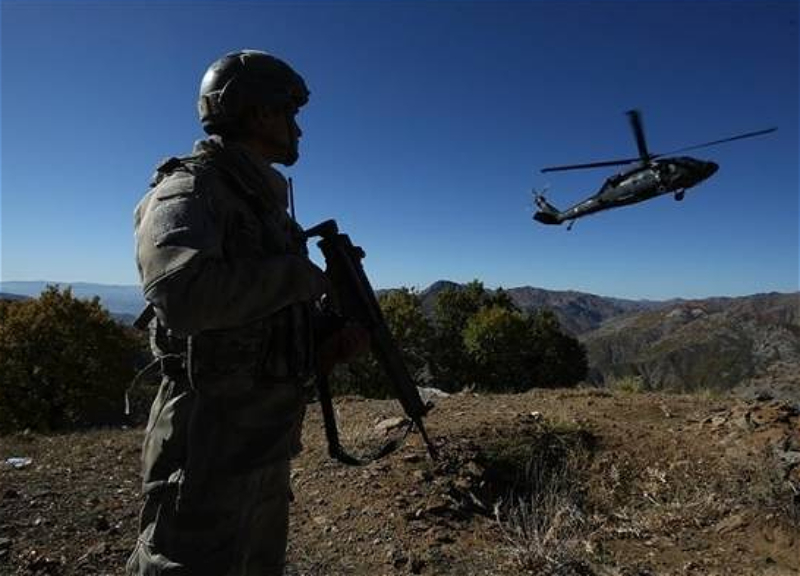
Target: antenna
<point x="291" y="198"/>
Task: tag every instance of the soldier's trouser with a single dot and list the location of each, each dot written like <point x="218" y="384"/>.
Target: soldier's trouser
<point x="216" y="482"/>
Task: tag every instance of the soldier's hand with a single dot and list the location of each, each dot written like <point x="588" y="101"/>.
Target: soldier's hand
<point x="319" y="280"/>
<point x="344" y="345"/>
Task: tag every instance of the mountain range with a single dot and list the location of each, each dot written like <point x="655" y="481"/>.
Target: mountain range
<point x="124" y="302"/>
<point x="711" y="343"/>
<point x="578" y="312"/>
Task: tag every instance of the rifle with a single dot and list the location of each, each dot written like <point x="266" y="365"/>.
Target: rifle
<point x="353" y="298"/>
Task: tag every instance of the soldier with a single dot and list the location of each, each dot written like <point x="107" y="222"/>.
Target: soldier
<point x="227" y="272"/>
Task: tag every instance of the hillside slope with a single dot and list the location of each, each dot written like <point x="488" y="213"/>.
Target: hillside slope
<point x="577" y="312"/>
<point x="706" y="344"/>
<point x="12" y="297"/>
<point x="620" y="485"/>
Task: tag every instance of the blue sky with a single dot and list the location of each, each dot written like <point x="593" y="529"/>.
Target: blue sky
<point x="427" y="126"/>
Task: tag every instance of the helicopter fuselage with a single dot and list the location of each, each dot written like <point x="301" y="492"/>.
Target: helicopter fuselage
<point x="649" y="175"/>
<point x="641" y="183"/>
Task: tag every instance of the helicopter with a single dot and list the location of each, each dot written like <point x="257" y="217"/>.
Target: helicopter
<point x="652" y="175"/>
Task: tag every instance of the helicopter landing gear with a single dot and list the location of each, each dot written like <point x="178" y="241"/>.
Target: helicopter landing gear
<point x="679" y="195"/>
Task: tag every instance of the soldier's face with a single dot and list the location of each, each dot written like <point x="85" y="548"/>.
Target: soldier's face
<point x="280" y="135"/>
<point x="293" y="133"/>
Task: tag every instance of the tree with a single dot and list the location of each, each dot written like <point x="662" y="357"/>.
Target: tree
<point x="412" y="332"/>
<point x="513" y="351"/>
<point x="64" y="363"/>
<point x="402" y="310"/>
<point x="561" y="358"/>
<point x="498" y="342"/>
<point x="452" y="366"/>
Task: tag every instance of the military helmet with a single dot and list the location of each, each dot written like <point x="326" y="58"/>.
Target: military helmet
<point x="243" y="79"/>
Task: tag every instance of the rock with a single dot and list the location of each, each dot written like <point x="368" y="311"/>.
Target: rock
<point x="789" y="458"/>
<point x="717" y="421"/>
<point x="95" y="550"/>
<point x="731" y="524"/>
<point x="421" y="476"/>
<point x="429" y="394"/>
<point x="391" y="423"/>
<point x="474" y="469"/>
<point x="744" y="422"/>
<point x="19" y="462"/>
<point x="536" y="416"/>
<point x="439" y="506"/>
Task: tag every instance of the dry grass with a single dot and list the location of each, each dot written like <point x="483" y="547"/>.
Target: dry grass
<point x="542" y="521"/>
<point x="628" y="384"/>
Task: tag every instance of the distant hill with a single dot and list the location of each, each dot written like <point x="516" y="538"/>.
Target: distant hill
<point x="12" y="297"/>
<point x="752" y="342"/>
<point x="716" y="343"/>
<point x="578" y="312"/>
<point x="122" y="301"/>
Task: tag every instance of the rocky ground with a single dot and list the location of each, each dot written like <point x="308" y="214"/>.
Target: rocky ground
<point x="580" y="482"/>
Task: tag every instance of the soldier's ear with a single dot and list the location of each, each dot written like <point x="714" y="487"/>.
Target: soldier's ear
<point x="263" y="118"/>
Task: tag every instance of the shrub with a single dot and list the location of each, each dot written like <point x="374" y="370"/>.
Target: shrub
<point x="64" y="363"/>
<point x="498" y="342"/>
<point x="541" y="513"/>
<point x="476" y="338"/>
<point x="513" y="351"/>
<point x="561" y="359"/>
<point x="629" y="384"/>
<point x="452" y="365"/>
<point x="412" y="333"/>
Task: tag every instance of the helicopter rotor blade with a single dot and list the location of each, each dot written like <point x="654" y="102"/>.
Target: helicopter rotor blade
<point x="635" y="118"/>
<point x="696" y="146"/>
<point x="591" y="165"/>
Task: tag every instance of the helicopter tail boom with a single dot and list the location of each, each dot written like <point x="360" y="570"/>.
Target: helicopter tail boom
<point x="547" y="213"/>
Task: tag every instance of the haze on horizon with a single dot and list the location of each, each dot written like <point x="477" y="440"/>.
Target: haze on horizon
<point x="427" y="126"/>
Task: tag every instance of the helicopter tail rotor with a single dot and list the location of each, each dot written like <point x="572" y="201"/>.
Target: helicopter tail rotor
<point x="546" y="213"/>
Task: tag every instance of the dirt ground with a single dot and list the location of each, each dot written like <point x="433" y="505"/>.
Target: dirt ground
<point x="580" y="482"/>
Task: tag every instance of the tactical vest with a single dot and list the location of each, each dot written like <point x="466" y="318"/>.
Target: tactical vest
<point x="278" y="347"/>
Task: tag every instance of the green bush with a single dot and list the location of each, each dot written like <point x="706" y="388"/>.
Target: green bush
<point x="498" y="342"/>
<point x="412" y="333"/>
<point x="560" y="358"/>
<point x="474" y="337"/>
<point x="514" y="351"/>
<point x="629" y="384"/>
<point x="64" y="363"/>
<point x="452" y="365"/>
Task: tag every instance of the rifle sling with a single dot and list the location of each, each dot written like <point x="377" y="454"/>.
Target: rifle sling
<point x="335" y="448"/>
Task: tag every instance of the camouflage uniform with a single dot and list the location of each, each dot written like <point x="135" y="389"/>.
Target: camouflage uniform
<point x="232" y="285"/>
